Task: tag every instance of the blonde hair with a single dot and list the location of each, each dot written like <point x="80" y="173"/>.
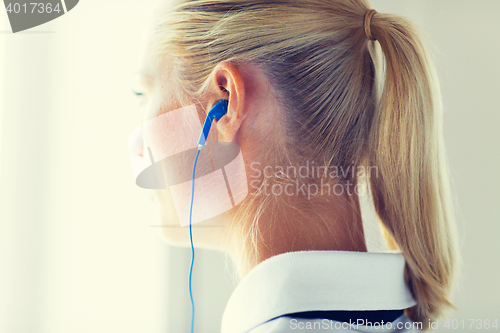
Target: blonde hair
<point x="349" y="100"/>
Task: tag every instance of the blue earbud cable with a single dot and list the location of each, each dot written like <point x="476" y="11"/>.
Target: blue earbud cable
<point x="216" y="112"/>
<point x="191" y="238"/>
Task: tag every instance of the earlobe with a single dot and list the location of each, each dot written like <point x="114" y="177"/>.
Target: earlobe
<point x="229" y="125"/>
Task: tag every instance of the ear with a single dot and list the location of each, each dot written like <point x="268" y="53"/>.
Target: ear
<point x="229" y="84"/>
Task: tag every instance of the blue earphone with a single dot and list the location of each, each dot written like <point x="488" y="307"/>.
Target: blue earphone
<point x="216" y="112"/>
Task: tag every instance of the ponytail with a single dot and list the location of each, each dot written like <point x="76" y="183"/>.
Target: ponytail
<point x="411" y="192"/>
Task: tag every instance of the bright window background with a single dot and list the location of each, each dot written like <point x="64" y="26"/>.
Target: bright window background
<point x="76" y="252"/>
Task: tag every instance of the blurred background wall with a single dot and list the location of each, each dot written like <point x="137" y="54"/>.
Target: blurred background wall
<point x="76" y="250"/>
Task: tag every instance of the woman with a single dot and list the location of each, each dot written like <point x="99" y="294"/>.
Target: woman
<point x="337" y="87"/>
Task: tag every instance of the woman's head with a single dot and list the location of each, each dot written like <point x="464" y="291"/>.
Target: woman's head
<point x="306" y="87"/>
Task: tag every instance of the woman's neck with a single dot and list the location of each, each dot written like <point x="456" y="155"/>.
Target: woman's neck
<point x="327" y="223"/>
